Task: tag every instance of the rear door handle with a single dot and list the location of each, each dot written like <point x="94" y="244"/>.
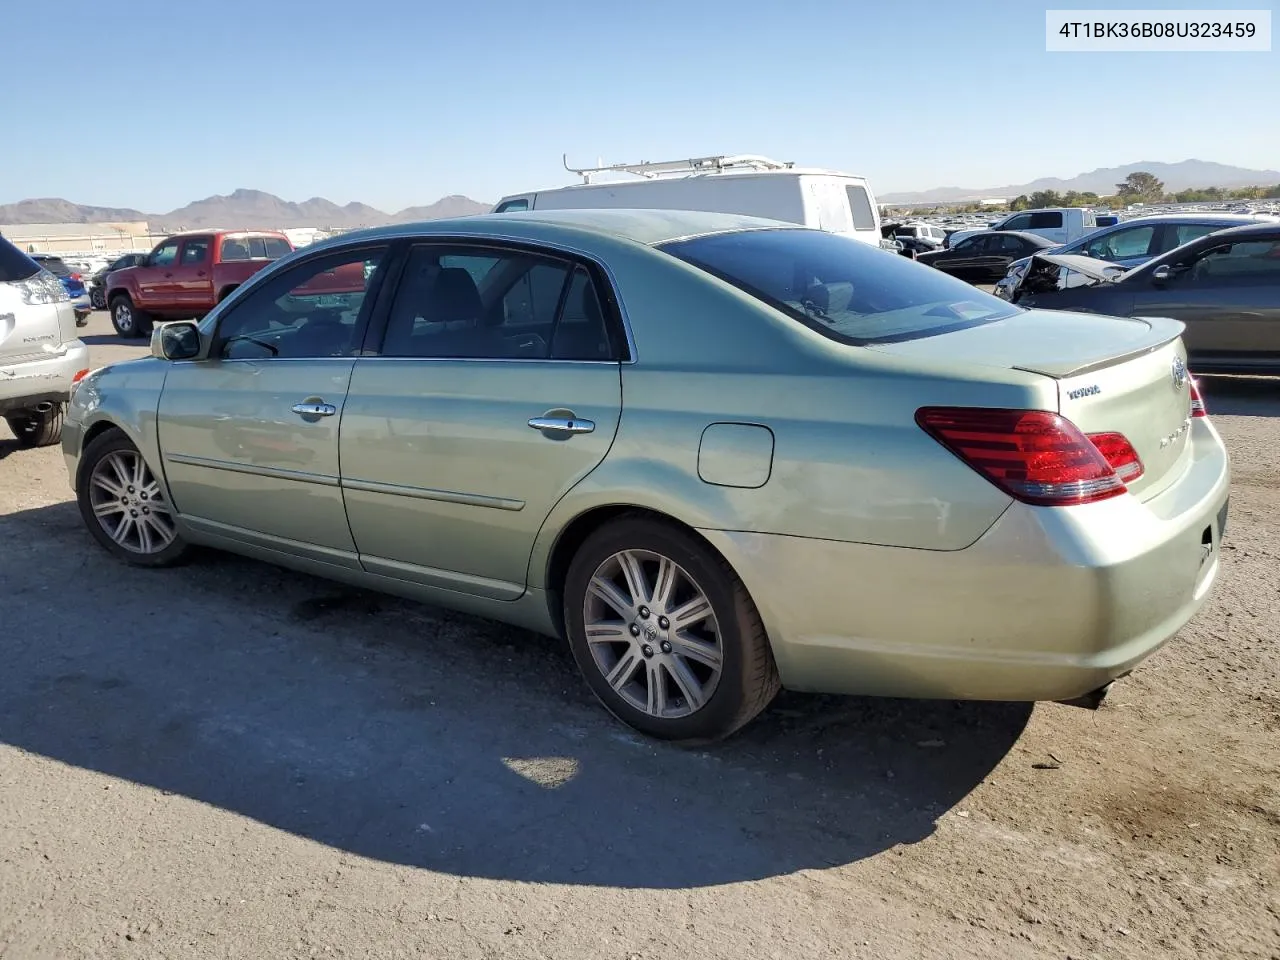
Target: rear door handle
<point x="310" y="409"/>
<point x="562" y="424"/>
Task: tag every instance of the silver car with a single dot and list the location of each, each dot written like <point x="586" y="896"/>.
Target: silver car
<point x="1134" y="242"/>
<point x="718" y="455"/>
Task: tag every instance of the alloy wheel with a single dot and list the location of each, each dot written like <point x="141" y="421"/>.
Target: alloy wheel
<point x="653" y="634"/>
<point x="127" y="502"/>
<point x="124" y="318"/>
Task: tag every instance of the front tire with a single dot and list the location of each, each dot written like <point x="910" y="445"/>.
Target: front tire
<point x="130" y="322"/>
<point x="38" y="428"/>
<point x="123" y="506"/>
<point x="665" y="633"/>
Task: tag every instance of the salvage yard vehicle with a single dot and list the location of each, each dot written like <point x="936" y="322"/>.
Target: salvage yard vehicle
<point x="746" y="184"/>
<point x="71" y="281"/>
<point x="1134" y="242"/>
<point x="1224" y="286"/>
<point x="186" y="275"/>
<point x="98" y="282"/>
<point x="717" y="454"/>
<point x="984" y="257"/>
<point x="1058" y="224"/>
<point x="41" y="357"/>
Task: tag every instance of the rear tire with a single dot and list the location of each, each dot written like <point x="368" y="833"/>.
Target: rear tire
<point x="686" y="660"/>
<point x="35" y="429"/>
<point x="97" y="299"/>
<point x="122" y="505"/>
<point x="130" y="322"/>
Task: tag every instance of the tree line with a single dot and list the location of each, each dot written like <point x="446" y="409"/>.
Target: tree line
<point x="1138" y="187"/>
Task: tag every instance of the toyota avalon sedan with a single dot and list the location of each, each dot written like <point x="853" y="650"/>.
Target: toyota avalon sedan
<point x="717" y="455"/>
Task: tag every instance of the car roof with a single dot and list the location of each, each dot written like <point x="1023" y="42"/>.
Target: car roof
<point x="649" y="227"/>
<point x="1033" y="237"/>
<point x="1244" y="232"/>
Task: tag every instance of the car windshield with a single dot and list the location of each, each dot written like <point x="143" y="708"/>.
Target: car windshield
<point x="847" y="290"/>
<point x="14" y="264"/>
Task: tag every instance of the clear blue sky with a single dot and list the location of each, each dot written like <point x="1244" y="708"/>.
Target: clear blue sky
<point x="398" y="102"/>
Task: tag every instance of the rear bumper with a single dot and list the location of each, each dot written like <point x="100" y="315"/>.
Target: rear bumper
<point x="44" y="379"/>
<point x="1049" y="604"/>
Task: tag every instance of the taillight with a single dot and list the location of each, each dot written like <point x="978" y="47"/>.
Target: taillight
<point x="1035" y="456"/>
<point x="80" y="375"/>
<point x="75" y="276"/>
<point x="1120" y="454"/>
<point x="1198" y="409"/>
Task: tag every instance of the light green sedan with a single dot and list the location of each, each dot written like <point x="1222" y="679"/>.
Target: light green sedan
<point x="717" y="454"/>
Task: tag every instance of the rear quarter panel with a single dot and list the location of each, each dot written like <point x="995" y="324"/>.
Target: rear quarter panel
<point x="849" y="461"/>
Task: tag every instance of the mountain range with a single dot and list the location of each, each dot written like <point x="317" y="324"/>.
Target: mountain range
<point x="1184" y="175"/>
<point x="242" y="208"/>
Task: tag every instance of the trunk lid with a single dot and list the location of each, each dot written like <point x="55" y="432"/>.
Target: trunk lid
<point x="1121" y="375"/>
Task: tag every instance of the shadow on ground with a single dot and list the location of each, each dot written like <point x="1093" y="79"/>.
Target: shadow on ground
<point x="403" y="733"/>
<point x="1240" y="396"/>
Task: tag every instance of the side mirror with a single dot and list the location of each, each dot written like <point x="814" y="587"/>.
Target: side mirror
<point x="1162" y="273"/>
<point x="179" y="340"/>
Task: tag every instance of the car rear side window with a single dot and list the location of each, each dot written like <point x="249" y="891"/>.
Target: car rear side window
<point x="845" y="289"/>
<point x="1046" y="219"/>
<point x="14" y="264"/>
<point x="864" y="218"/>
<point x="253" y="248"/>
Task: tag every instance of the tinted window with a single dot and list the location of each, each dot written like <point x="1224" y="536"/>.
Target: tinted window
<point x="195" y="251"/>
<point x="165" y="254"/>
<point x="581" y="333"/>
<point x="1255" y="261"/>
<point x="973" y="245"/>
<point x="14" y="264"/>
<point x="1121" y="244"/>
<point x="253" y="248"/>
<point x="54" y="265"/>
<point x="1186" y="232"/>
<point x="459" y="303"/>
<point x="845" y="289"/>
<point x="864" y="218"/>
<point x="1020" y="222"/>
<point x="315" y="309"/>
<point x="1011" y="245"/>
<point x="513" y="205"/>
<point x="1048" y="219"/>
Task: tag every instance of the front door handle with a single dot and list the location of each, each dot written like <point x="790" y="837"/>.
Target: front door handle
<point x="312" y="409"/>
<point x="562" y="424"/>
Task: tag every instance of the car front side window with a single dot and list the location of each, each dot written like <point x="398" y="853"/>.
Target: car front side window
<point x="165" y="254"/>
<point x="318" y="308"/>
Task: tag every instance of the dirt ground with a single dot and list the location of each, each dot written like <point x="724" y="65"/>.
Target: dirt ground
<point x="230" y="760"/>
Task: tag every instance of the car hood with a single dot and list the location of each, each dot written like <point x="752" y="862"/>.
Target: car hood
<point x="1054" y="343"/>
<point x="1088" y="266"/>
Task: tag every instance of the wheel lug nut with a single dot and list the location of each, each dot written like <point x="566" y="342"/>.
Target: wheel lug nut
<point x="131" y="489"/>
<point x="635" y="631"/>
<point x="663" y="622"/>
<point x="133" y="513"/>
<point x="644" y="613"/>
<point x="124" y="499"/>
<point x="666" y="647"/>
<point x="647" y="650"/>
<point x="143" y="496"/>
<point x="146" y="509"/>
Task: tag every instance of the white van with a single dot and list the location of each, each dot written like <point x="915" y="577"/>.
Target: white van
<point x="1059" y="224"/>
<point x="750" y="185"/>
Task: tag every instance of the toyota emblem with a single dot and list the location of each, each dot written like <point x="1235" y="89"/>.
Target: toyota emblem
<point x="1179" y="373"/>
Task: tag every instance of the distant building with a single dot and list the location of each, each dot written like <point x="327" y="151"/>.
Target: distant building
<point x="994" y="202"/>
<point x="80" y="237"/>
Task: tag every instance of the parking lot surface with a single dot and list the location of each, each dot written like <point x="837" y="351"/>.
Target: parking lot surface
<point x="232" y="760"/>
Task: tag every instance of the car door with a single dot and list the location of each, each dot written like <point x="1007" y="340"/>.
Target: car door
<point x="249" y="436"/>
<point x="497" y="388"/>
<point x="962" y="259"/>
<point x="193" y="286"/>
<point x="1228" y="295"/>
<point x="155" y="278"/>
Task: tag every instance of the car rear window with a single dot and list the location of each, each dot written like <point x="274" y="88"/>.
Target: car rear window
<point x="845" y="289"/>
<point x="254" y="248"/>
<point x="55" y="266"/>
<point x="14" y="264"/>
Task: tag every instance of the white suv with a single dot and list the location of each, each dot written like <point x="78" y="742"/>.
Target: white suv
<point x="41" y="358"/>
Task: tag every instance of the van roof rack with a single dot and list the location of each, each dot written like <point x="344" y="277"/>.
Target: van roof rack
<point x="651" y="170"/>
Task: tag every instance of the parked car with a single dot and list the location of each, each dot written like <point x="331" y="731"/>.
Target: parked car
<point x="984" y="258"/>
<point x="1225" y="287"/>
<point x="98" y="282"/>
<point x="718" y="454"/>
<point x="927" y="234"/>
<point x="41" y="357"/>
<point x="905" y="244"/>
<point x="750" y="185"/>
<point x="70" y="280"/>
<point x="1134" y="242"/>
<point x="186" y="275"/>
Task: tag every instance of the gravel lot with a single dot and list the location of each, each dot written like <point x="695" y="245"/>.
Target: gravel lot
<point x="230" y="760"/>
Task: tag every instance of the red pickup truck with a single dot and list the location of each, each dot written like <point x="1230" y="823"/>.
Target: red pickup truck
<point x="186" y="274"/>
